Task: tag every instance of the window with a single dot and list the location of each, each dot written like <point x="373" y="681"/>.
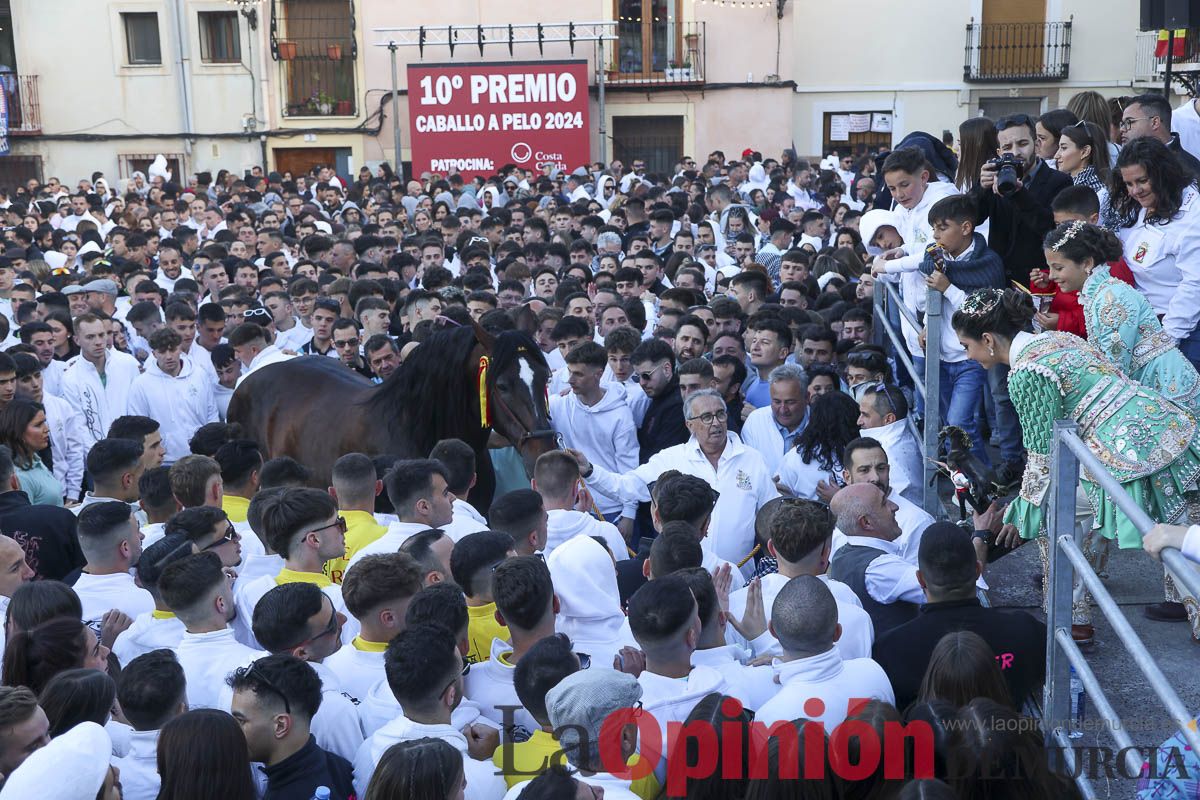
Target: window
<point x="128" y="163"/>
<point x="219" y="40"/>
<point x="141" y="38"/>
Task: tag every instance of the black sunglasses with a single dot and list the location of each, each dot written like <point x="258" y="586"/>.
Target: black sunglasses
<point x="256" y="674"/>
<point x="231" y="534"/>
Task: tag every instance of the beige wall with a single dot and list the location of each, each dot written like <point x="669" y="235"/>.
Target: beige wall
<point x="78" y="52"/>
<point x="910" y="61"/>
<point x="740" y="44"/>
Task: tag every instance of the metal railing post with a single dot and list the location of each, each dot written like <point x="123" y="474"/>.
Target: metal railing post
<point x="1064" y="475"/>
<point x="932" y="424"/>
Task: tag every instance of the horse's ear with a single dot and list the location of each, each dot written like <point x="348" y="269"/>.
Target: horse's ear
<point x="483" y="337"/>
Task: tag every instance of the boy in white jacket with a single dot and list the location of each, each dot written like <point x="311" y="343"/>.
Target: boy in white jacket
<point x="598" y="422"/>
<point x="174" y="391"/>
<point x="556" y="479"/>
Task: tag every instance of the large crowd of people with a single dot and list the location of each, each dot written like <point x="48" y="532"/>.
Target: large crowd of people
<point x="726" y="563"/>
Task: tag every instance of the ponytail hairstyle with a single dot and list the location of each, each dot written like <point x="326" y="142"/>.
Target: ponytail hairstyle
<point x="33" y="657"/>
<point x="1080" y="240"/>
<point x="1000" y="312"/>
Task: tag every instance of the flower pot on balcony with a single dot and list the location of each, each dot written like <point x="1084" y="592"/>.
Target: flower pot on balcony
<point x="692" y="41"/>
<point x="345" y="108"/>
<point x="679" y="73"/>
<point x="334" y="51"/>
<point x="287" y="50"/>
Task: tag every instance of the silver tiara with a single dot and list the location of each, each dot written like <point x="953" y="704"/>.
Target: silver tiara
<point x="1072" y="230"/>
<point x="981" y="302"/>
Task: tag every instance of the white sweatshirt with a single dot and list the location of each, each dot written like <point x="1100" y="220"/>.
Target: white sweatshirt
<point x="181" y="404"/>
<point x="100" y="402"/>
<point x="605" y="433"/>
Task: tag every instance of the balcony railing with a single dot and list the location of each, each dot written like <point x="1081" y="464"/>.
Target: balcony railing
<point x="1017" y="51"/>
<point x="656" y="53"/>
<point x="24" y="107"/>
<point x="1148" y="67"/>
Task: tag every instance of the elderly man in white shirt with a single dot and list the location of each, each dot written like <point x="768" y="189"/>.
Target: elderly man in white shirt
<point x="883" y="416"/>
<point x="738" y="473"/>
<point x="805" y="620"/>
<point x="772" y="430"/>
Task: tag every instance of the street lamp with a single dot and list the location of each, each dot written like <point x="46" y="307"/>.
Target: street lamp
<point x="249" y="10"/>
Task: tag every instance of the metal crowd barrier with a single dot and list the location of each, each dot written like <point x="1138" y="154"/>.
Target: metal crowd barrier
<point x="1066" y="558"/>
<point x="927" y="385"/>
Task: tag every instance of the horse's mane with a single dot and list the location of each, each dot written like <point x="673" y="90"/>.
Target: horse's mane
<point x="511" y="344"/>
<point x="430" y="391"/>
<point x="430" y="397"/>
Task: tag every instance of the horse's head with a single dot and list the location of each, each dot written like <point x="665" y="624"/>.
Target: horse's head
<point x="517" y="380"/>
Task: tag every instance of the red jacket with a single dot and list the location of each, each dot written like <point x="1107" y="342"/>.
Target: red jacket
<point x="1066" y="304"/>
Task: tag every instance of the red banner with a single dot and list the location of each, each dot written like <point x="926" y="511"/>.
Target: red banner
<point x="475" y="118"/>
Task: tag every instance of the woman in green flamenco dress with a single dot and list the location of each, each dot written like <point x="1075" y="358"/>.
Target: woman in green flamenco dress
<point x="1120" y="321"/>
<point x="1149" y="444"/>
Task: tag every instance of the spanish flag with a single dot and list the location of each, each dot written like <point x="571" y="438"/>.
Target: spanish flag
<point x="1178" y="48"/>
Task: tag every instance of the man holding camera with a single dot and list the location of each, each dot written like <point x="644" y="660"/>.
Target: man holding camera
<point x="1014" y="193"/>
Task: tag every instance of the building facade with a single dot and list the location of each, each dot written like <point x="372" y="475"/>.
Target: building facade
<point x="108" y="84"/>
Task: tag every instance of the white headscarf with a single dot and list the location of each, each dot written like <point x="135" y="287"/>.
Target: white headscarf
<point x="71" y="767"/>
<point x="585" y="581"/>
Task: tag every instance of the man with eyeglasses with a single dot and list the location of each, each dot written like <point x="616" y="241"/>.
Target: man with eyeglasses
<point x="276" y="700"/>
<point x="347" y="342"/>
<point x="208" y="529"/>
<point x="298" y="620"/>
<point x="882" y="416"/>
<point x="1150" y="115"/>
<point x="662" y="424"/>
<point x="737" y="472"/>
<point x="304" y="527"/>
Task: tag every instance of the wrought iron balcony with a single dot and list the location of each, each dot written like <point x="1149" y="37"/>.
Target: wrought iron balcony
<point x="1017" y="51"/>
<point x="655" y="52"/>
<point x="24" y="107"/>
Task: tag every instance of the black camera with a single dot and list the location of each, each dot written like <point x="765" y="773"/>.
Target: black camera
<point x="1009" y="170"/>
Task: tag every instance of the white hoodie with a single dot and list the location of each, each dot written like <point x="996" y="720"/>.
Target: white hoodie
<point x="490" y="685"/>
<point x="100" y="402"/>
<point x="830" y="679"/>
<point x="147" y="633"/>
<point x="482" y="781"/>
<point x="68" y="441"/>
<point x="605" y="433"/>
<point x="585" y="582"/>
<point x="858" y="632"/>
<point x="672" y="699"/>
<point x="268" y="355"/>
<point x="379" y="706"/>
<point x="562" y="525"/>
<point x="180" y="403"/>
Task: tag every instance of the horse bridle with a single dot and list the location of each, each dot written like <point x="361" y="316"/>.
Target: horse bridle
<point x="527" y="434"/>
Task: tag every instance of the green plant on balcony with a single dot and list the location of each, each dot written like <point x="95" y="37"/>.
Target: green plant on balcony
<point x="319" y="103"/>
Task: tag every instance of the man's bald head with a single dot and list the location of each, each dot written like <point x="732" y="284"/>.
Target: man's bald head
<point x="804" y="617"/>
<point x="863" y="510"/>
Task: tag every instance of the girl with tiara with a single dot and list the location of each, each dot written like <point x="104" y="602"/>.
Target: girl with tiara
<point x="1148" y="443"/>
<point x="1120" y="321"/>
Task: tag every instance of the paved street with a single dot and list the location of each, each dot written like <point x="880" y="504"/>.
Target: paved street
<point x="1134" y="580"/>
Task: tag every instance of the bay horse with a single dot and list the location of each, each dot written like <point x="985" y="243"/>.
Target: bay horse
<point x="314" y="409"/>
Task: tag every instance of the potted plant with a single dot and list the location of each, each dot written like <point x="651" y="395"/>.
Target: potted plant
<point x="334" y="51"/>
<point x="287" y="50"/>
<point x="692" y="41"/>
<point x="320" y="103"/>
<point x="679" y="71"/>
<point x="345" y="108"/>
